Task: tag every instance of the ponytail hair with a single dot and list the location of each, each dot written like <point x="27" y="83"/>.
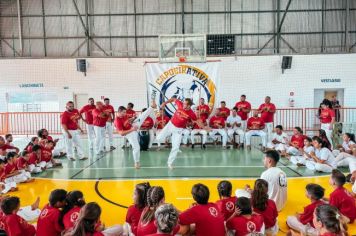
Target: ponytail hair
<point x="259" y="196"/>
<point x="141" y="192"/>
<point x="329" y="216"/>
<point x="89" y="215"/>
<point x="166" y="217"/>
<point x="74" y="198"/>
<point x="154" y="197"/>
<point x="31" y="143"/>
<point x="224" y="188"/>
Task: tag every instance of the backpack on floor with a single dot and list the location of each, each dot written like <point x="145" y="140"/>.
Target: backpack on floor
<point x="144" y="140"/>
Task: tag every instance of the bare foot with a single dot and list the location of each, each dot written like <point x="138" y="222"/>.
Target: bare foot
<point x="29" y="180"/>
<point x="14" y="189"/>
<point x="137" y="165"/>
<point x="36" y="204"/>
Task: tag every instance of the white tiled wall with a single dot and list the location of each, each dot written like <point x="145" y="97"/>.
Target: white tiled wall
<point x="123" y="80"/>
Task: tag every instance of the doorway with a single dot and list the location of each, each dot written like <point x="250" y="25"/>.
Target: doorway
<point x="80" y="100"/>
<point x="320" y="94"/>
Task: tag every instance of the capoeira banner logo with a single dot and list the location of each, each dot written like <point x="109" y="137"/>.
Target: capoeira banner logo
<point x="193" y="81"/>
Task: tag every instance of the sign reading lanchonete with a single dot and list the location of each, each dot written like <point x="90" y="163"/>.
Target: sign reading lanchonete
<point x="330" y="80"/>
<point x="37" y="85"/>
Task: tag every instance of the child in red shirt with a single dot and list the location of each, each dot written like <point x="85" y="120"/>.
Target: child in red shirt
<point x="300" y="222"/>
<point x="33" y="160"/>
<point x="34" y="141"/>
<point x="244" y="221"/>
<point x="206" y="216"/>
<point x="74" y="202"/>
<point x="46" y="158"/>
<point x="166" y="219"/>
<point x="5" y="187"/>
<point x="48" y="222"/>
<point x="340" y="197"/>
<point x="13" y="174"/>
<point x="134" y="212"/>
<point x="14" y="224"/>
<point x="264" y="206"/>
<point x="328" y="221"/>
<point x="226" y="204"/>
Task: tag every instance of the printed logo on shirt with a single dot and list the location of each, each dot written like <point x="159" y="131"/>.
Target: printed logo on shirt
<point x="251" y="227"/>
<point x="282" y="180"/>
<point x="230" y="206"/>
<point x="44" y="213"/>
<point x="74" y="217"/>
<point x="213" y="211"/>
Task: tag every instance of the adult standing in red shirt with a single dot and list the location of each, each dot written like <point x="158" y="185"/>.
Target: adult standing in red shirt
<point x="255" y="127"/>
<point x="176" y="125"/>
<point x="224" y="112"/>
<point x="100" y="117"/>
<point x="267" y="111"/>
<point x="109" y="123"/>
<point x="207" y="218"/>
<point x="128" y="128"/>
<point x="87" y="110"/>
<point x="204" y="109"/>
<point x="327" y="119"/>
<point x="71" y="131"/>
<point x="161" y="121"/>
<point x="243" y="109"/>
<point x="130" y="113"/>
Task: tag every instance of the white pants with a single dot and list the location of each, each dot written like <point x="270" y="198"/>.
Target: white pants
<point x="259" y="133"/>
<point x="46" y="165"/>
<point x="158" y="131"/>
<point x="133" y="136"/>
<point x="244" y="125"/>
<point x="8" y="186"/>
<point x="91" y="135"/>
<point x="34" y="169"/>
<point x="312" y="165"/>
<point x="186" y="133"/>
<point x="223" y="134"/>
<point x="269" y="130"/>
<point x="328" y="131"/>
<point x="298" y="160"/>
<point x="236" y="130"/>
<point x="345" y="159"/>
<point x="272" y="230"/>
<point x="76" y="141"/>
<point x="20" y="178"/>
<point x="99" y="139"/>
<point x="278" y="146"/>
<point x="293" y="151"/>
<point x="176" y="133"/>
<point x="295" y="224"/>
<point x="109" y="130"/>
<point x="203" y="132"/>
<point x="116" y="230"/>
<point x="28" y="214"/>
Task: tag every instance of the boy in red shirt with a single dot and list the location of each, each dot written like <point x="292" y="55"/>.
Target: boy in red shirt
<point x="255" y="127"/>
<point x="46" y="160"/>
<point x="161" y="121"/>
<point x="226" y="204"/>
<point x="300" y="222"/>
<point x="12" y="173"/>
<point x="5" y="148"/>
<point x="340" y="197"/>
<point x="14" y="224"/>
<point x="5" y="187"/>
<point x="207" y="218"/>
<point x="48" y="221"/>
<point x="147" y="125"/>
<point x="217" y="123"/>
<point x="34" y="159"/>
<point x="244" y="221"/>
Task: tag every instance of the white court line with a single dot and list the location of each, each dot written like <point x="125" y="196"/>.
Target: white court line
<point x="184" y="198"/>
<point x="157" y="167"/>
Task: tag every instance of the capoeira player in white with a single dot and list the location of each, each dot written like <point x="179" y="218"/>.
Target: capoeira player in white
<point x="279" y="140"/>
<point x="176" y="125"/>
<point x="234" y="123"/>
<point x="128" y="128"/>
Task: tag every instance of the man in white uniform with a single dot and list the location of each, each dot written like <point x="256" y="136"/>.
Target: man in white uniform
<point x="233" y="123"/>
<point x="322" y="158"/>
<point x="279" y="140"/>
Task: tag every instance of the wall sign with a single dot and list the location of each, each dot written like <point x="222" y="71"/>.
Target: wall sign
<point x="36" y="85"/>
<point x="330" y="80"/>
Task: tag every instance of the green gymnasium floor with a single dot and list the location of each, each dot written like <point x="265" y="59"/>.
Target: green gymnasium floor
<point x="191" y="163"/>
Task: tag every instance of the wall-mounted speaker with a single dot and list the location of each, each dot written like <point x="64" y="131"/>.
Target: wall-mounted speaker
<point x="82" y="65"/>
<point x="286" y="62"/>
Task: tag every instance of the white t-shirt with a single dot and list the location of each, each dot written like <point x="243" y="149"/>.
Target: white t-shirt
<point x="326" y="155"/>
<point x="283" y="137"/>
<point x="277" y="186"/>
<point x="231" y="119"/>
<point x="308" y="149"/>
<point x="346" y="146"/>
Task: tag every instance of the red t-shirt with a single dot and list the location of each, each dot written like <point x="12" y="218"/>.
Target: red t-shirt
<point x="161" y="121"/>
<point x="207" y="219"/>
<point x="224" y="112"/>
<point x="202" y="120"/>
<point x="270" y="214"/>
<point x="130" y="113"/>
<point x="70" y="119"/>
<point x="147" y="123"/>
<point x="97" y="120"/>
<point x="133" y="216"/>
<point x="95" y="234"/>
<point x="10" y="168"/>
<point x="217" y="121"/>
<point x="267" y="116"/>
<point x="71" y="217"/>
<point x="181" y="116"/>
<point x="48" y="222"/>
<point x="255" y="123"/>
<point x="33" y="160"/>
<point x="244" y="226"/>
<point x="307" y="216"/>
<point x="241" y="105"/>
<point x="6" y="148"/>
<point x="87" y="109"/>
<point x="342" y="200"/>
<point x="46" y="154"/>
<point x="109" y="109"/>
<point x="122" y="123"/>
<point x="2" y="220"/>
<point x="326" y="115"/>
<point x="158" y="234"/>
<point x="298" y="140"/>
<point x="226" y="206"/>
<point x="204" y="111"/>
<point x="16" y="226"/>
<point x="21" y="163"/>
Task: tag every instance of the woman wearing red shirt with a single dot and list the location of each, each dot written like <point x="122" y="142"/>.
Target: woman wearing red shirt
<point x="134" y="212"/>
<point x="327" y="118"/>
<point x="327" y="220"/>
